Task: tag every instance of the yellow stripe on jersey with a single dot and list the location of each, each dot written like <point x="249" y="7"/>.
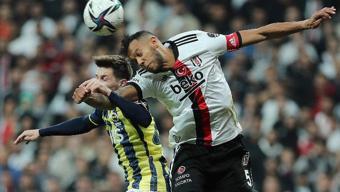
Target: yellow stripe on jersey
<point x="139" y="152"/>
<point x="92" y="121"/>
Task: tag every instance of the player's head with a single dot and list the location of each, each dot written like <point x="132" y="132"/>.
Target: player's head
<point x="113" y="70"/>
<point x="146" y="49"/>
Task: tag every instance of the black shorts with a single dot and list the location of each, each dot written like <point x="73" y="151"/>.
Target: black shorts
<point x="222" y="168"/>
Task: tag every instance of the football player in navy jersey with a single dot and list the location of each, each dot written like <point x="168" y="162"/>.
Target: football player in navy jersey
<point x="132" y="130"/>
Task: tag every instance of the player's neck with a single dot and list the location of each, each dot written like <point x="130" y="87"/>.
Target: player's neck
<point x="170" y="59"/>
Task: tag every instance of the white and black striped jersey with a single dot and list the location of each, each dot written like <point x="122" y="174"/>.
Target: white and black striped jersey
<point x="195" y="90"/>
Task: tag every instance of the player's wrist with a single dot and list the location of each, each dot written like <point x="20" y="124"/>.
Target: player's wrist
<point x="306" y="24"/>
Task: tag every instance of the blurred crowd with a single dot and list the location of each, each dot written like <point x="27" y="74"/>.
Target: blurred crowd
<point x="286" y="91"/>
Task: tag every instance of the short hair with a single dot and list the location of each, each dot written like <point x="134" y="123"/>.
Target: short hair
<point x="120" y="65"/>
<point x="129" y="38"/>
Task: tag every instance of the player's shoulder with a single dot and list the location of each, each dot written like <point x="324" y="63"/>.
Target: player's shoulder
<point x="188" y="34"/>
<point x="143" y="74"/>
<point x="197" y="39"/>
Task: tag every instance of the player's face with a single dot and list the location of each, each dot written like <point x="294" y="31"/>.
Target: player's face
<point x="105" y="75"/>
<point x="147" y="55"/>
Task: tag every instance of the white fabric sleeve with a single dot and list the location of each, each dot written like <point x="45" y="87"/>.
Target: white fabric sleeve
<point x="143" y="85"/>
<point x="213" y="42"/>
<point x="218" y="43"/>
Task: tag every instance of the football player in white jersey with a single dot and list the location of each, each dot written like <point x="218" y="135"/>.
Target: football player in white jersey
<point x="185" y="75"/>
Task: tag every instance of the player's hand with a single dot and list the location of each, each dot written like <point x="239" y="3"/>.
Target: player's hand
<point x="96" y="86"/>
<point x="28" y="135"/>
<point x="80" y="94"/>
<point x="323" y="14"/>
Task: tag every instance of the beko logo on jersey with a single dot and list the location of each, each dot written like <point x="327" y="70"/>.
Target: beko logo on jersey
<point x="188" y="83"/>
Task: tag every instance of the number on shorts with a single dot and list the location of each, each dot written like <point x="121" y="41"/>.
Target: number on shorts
<point x="246" y="172"/>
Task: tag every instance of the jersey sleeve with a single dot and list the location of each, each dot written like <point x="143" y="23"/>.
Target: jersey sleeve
<point x="218" y="43"/>
<point x="96" y="118"/>
<point x="143" y="104"/>
<point x="234" y="41"/>
<point x="143" y="85"/>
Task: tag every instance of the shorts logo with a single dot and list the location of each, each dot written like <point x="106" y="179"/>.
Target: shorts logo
<point x="181" y="170"/>
<point x="245" y="159"/>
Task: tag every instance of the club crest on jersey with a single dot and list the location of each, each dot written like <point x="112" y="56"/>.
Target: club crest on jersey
<point x="181" y="170"/>
<point x="181" y="71"/>
<point x="197" y="61"/>
<point x="212" y="35"/>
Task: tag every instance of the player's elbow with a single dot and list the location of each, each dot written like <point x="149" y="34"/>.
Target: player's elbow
<point x="252" y="36"/>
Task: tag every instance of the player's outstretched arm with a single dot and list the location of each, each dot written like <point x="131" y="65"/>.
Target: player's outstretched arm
<point x="74" y="126"/>
<point x="277" y="30"/>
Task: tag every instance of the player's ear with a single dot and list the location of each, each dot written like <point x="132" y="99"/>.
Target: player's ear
<point x="154" y="42"/>
<point x="122" y="82"/>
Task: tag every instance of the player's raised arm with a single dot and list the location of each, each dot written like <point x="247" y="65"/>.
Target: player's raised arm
<point x="93" y="93"/>
<point x="104" y="98"/>
<point x="277" y="30"/>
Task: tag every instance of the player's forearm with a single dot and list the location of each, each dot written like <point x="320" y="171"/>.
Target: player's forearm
<point x="75" y="126"/>
<point x="277" y="30"/>
<point x="99" y="101"/>
<point x="271" y="31"/>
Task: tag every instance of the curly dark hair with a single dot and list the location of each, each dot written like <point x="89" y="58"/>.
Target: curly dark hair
<point x="120" y="65"/>
<point x="129" y="38"/>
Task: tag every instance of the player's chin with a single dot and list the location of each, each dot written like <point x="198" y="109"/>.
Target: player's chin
<point x="151" y="69"/>
<point x="158" y="70"/>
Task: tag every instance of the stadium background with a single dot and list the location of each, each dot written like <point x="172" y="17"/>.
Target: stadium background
<point x="287" y="91"/>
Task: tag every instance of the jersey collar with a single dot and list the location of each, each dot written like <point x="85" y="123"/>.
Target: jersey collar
<point x="173" y="47"/>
